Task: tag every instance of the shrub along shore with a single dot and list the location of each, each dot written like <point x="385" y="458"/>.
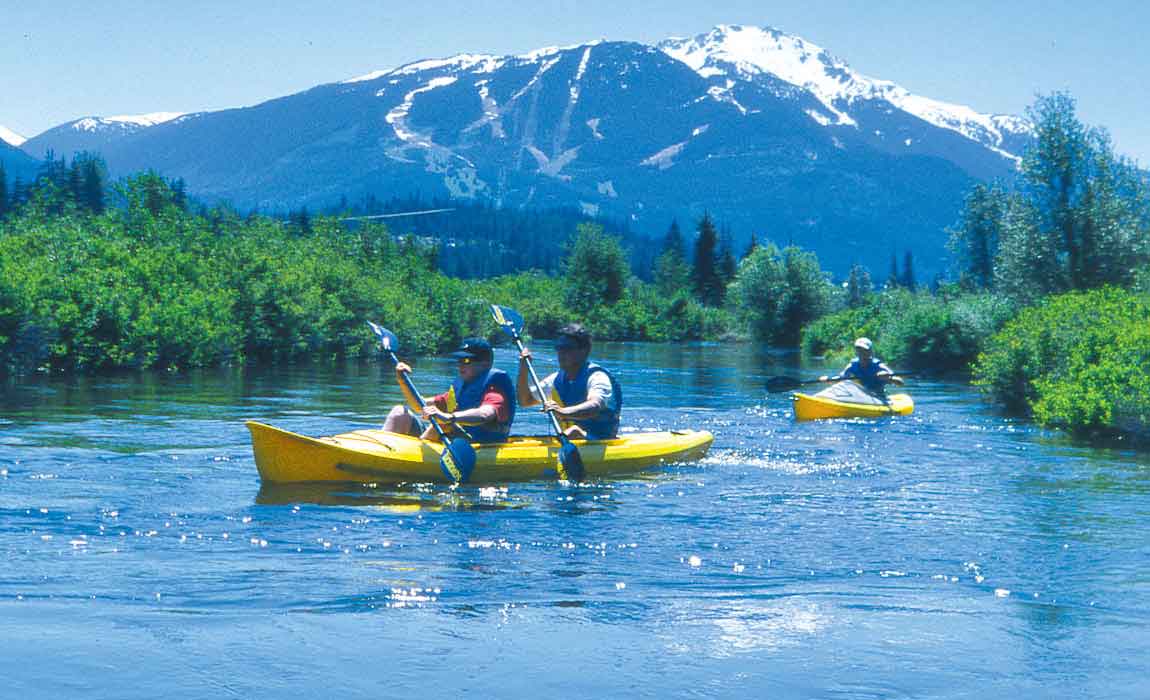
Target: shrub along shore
<point x="1049" y="312"/>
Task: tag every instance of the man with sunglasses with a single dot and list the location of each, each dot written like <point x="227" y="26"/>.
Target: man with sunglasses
<point x="481" y="399"/>
<point x="583" y="396"/>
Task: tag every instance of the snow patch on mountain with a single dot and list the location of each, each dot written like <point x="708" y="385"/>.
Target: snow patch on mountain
<point x="473" y="62"/>
<point x="125" y="121"/>
<point x="397" y="117"/>
<point x="747" y="52"/>
<point x="666" y="157"/>
<point x="491" y="114"/>
<point x="11" y="137"/>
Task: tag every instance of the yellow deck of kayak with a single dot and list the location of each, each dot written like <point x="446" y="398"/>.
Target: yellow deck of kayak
<point x="376" y="456"/>
<point x="808" y="407"/>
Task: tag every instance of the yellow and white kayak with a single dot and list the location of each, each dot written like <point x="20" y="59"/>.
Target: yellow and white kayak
<point x="849" y="400"/>
<point x="377" y="456"/>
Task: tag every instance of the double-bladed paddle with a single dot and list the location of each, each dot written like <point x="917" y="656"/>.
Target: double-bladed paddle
<point x="783" y="382"/>
<point x="458" y="457"/>
<point x="570" y="461"/>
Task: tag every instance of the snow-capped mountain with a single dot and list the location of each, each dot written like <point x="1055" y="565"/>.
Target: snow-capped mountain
<point x="11" y="137"/>
<point x="739" y="53"/>
<point x="767" y="132"/>
<point x="93" y="133"/>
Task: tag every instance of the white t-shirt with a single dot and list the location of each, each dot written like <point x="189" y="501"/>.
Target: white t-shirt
<point x="598" y="388"/>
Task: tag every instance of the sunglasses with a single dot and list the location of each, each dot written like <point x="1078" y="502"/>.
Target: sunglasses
<point x="465" y="360"/>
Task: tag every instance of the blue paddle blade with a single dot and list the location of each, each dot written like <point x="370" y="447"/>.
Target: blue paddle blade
<point x="458" y="460"/>
<point x="571" y="462"/>
<point x="386" y="338"/>
<point x="508" y="319"/>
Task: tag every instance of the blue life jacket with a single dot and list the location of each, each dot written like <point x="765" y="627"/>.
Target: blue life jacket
<point x="867" y="376"/>
<point x="571" y="391"/>
<point x="461" y="397"/>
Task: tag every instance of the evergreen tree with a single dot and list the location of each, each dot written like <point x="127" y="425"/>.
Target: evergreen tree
<point x="893" y="279"/>
<point x="76" y="183"/>
<point x="93" y="187"/>
<point x="3" y="191"/>
<point x="180" y="194"/>
<point x="907" y="280"/>
<point x="750" y="246"/>
<point x="727" y="267"/>
<point x="671" y="272"/>
<point x="859" y="286"/>
<point x="19" y="193"/>
<point x="704" y="277"/>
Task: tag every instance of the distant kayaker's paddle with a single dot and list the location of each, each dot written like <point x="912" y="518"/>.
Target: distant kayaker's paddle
<point x="458" y="457"/>
<point x="783" y="382"/>
<point x="570" y="461"/>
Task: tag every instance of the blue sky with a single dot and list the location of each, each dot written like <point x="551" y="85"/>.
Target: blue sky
<point x="62" y="60"/>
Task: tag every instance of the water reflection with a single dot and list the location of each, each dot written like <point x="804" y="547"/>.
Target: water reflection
<point x="420" y="498"/>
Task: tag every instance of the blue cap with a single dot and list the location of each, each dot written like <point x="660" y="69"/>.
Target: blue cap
<point x="474" y="348"/>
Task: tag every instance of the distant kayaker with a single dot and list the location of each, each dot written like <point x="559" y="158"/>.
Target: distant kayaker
<point x="481" y="399"/>
<point x="585" y="397"/>
<point x="867" y="369"/>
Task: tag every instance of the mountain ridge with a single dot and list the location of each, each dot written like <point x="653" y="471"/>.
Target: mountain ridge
<point x="639" y="132"/>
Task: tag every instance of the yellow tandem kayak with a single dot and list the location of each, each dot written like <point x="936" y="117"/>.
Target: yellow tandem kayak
<point x="849" y="400"/>
<point x="377" y="456"/>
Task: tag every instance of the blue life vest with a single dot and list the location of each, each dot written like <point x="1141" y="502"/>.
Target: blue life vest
<point x="571" y="391"/>
<point x="867" y="376"/>
<point x="462" y="397"/>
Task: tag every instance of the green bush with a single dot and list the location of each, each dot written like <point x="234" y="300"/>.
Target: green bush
<point x="1077" y="361"/>
<point x="151" y="284"/>
<point x="914" y="330"/>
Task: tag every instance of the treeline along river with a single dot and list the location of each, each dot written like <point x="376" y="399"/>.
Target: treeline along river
<point x="954" y="553"/>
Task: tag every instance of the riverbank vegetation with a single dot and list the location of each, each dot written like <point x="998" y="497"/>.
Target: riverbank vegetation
<point x="1052" y="274"/>
<point x="138" y="276"/>
<point x="1051" y="308"/>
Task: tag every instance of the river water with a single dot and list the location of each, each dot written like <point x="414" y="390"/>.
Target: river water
<point x="954" y="553"/>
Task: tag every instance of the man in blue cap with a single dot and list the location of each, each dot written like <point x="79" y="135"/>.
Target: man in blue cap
<point x="583" y="396"/>
<point x="481" y="399"/>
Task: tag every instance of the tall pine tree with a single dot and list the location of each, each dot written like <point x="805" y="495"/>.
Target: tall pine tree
<point x="671" y="272"/>
<point x="859" y="286"/>
<point x="893" y="279"/>
<point x="751" y="246"/>
<point x="3" y="191"/>
<point x="704" y="277"/>
<point x="94" y="185"/>
<point x="907" y="280"/>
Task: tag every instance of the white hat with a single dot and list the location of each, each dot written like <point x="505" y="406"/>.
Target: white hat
<point x="864" y="343"/>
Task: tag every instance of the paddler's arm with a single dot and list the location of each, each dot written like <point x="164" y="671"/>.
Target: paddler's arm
<point x="887" y="375"/>
<point x="588" y="409"/>
<point x="836" y="377"/>
<point x="523" y="381"/>
<point x="409" y="398"/>
<point x="891" y="377"/>
<point x="598" y="391"/>
<point x="493" y="404"/>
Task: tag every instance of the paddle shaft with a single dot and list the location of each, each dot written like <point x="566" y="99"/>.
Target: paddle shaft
<point x="405" y="377"/>
<point x="539" y="388"/>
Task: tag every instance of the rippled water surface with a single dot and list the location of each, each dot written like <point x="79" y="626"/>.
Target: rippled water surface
<point x="950" y="554"/>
